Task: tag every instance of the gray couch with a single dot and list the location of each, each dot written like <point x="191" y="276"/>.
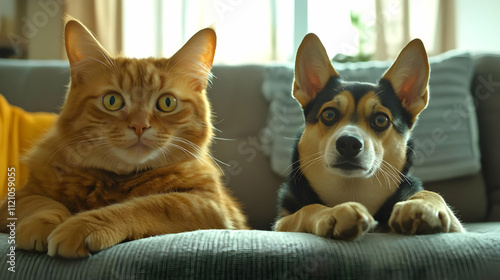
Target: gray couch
<point x="241" y="107"/>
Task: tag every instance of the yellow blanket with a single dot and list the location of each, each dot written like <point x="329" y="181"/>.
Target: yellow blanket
<point x="18" y="131"/>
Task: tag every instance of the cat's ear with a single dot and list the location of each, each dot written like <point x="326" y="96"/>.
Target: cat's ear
<point x="81" y="43"/>
<point x="313" y="69"/>
<point x="409" y="77"/>
<point x="196" y="57"/>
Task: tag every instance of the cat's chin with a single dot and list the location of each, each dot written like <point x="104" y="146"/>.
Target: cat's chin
<point x="140" y="153"/>
<point x="137" y="154"/>
<point x="124" y="161"/>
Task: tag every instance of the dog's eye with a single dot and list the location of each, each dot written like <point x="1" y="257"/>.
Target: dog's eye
<point x="380" y="122"/>
<point x="329" y="116"/>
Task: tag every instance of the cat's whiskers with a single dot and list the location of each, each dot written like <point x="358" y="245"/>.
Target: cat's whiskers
<point x="93" y="142"/>
<point x="187" y="152"/>
<point x="63" y="144"/>
<point x="211" y="126"/>
<point x="215" y="128"/>
<point x="66" y="141"/>
<point x="199" y="150"/>
<point x="72" y="141"/>
<point x="162" y="152"/>
<point x="223" y="139"/>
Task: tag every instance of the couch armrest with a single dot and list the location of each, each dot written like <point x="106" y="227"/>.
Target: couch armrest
<point x="486" y="93"/>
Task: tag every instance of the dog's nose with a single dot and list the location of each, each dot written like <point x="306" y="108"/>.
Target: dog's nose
<point x="349" y="146"/>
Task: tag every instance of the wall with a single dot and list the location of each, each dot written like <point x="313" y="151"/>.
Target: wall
<point x="477" y="25"/>
<point x="7" y="18"/>
<point x="33" y="27"/>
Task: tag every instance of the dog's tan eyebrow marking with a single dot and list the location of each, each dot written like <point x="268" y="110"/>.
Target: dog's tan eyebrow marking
<point x="336" y="102"/>
<point x="373" y="105"/>
<point x="343" y="98"/>
<point x="369" y="103"/>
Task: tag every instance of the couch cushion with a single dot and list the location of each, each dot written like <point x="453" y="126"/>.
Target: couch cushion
<point x="226" y="254"/>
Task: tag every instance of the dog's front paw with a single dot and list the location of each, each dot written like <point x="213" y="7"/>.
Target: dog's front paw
<point x="32" y="232"/>
<point x="419" y="216"/>
<point x="346" y="221"/>
<point x="80" y="235"/>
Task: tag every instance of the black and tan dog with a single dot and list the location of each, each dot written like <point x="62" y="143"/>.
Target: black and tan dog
<point x="351" y="164"/>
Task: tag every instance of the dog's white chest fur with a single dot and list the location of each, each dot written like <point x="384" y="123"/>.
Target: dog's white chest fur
<point x="334" y="190"/>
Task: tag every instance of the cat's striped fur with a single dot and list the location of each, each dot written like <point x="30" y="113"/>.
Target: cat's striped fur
<point x="103" y="176"/>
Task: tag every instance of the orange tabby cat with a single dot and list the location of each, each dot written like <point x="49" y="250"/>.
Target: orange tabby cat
<point x="128" y="156"/>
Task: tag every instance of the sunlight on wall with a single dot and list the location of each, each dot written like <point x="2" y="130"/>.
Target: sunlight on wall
<point x="420" y="28"/>
<point x="330" y="20"/>
<point x="477" y="23"/>
<point x="139" y="32"/>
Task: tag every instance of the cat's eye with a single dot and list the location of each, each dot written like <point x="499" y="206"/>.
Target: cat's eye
<point x="113" y="101"/>
<point x="380" y="122"/>
<point x="329" y="116"/>
<point x="166" y="103"/>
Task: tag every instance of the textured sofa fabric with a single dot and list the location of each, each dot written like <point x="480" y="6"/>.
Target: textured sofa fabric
<point x="225" y="254"/>
<point x="241" y="114"/>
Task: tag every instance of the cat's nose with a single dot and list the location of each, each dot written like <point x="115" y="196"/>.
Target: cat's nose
<point x="139" y="128"/>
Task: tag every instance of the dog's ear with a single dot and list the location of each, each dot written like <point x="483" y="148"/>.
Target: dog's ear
<point x="313" y="69"/>
<point x="409" y="77"/>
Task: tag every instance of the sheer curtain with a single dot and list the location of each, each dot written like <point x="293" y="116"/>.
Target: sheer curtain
<point x="102" y="17"/>
<point x="399" y="21"/>
<point x="247" y="31"/>
<point x="270" y="30"/>
<point x="256" y="31"/>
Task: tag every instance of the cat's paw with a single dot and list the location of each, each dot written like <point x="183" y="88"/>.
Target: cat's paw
<point x="32" y="232"/>
<point x="419" y="216"/>
<point x="346" y="221"/>
<point x="80" y="235"/>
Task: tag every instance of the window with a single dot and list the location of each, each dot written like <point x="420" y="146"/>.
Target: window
<point x="245" y="31"/>
<point x="261" y="31"/>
